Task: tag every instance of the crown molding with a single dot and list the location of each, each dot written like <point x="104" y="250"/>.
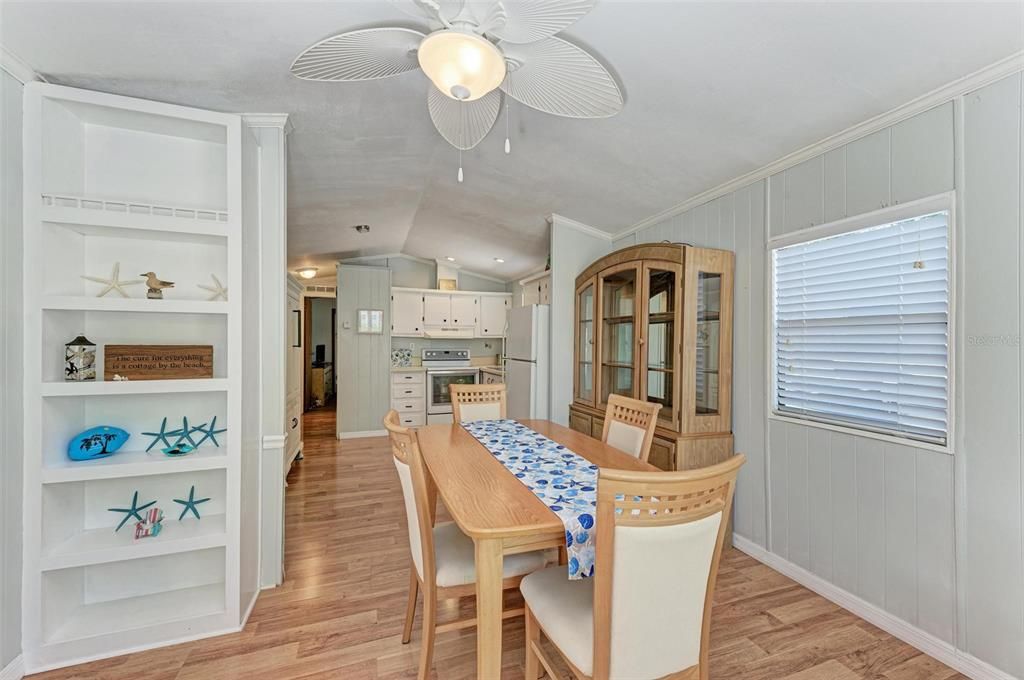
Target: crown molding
<point x="579" y="226"/>
<point x="948" y="92"/>
<point x="18" y="69"/>
<point x="270" y="120"/>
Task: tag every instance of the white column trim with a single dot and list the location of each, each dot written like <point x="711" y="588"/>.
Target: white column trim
<point x="18" y="69"/>
<point x="274" y="441"/>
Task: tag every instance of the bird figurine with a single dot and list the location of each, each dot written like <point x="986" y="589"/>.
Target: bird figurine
<point x="156" y="286"/>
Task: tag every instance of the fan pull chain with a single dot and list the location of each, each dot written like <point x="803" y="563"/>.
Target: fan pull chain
<point x="462" y="141"/>
<point x="508" y="143"/>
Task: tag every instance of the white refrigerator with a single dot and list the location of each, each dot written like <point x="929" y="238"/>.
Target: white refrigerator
<point x="527" y="366"/>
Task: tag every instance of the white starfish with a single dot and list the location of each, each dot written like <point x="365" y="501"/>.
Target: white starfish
<point x="218" y="289"/>
<point x="113" y="283"/>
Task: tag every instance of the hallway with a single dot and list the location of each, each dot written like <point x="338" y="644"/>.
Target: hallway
<point x="339" y="612"/>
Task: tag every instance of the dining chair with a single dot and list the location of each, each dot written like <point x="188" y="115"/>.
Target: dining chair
<point x="646" y="613"/>
<point x="629" y="425"/>
<point x="443" y="558"/>
<point x="477" y="402"/>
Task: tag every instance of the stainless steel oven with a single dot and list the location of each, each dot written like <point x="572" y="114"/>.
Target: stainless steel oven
<point x="446" y="367"/>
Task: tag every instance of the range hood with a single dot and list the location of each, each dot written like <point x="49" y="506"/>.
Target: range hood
<point x="449" y="332"/>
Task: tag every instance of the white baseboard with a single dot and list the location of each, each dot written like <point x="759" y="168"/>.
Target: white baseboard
<point x="15" y="670"/>
<point x="364" y="433"/>
<point x="938" y="649"/>
<point x="248" y="609"/>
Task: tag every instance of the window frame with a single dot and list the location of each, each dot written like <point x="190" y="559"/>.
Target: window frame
<point x="939" y="202"/>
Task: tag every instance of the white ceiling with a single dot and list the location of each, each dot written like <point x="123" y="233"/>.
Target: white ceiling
<point x="713" y="90"/>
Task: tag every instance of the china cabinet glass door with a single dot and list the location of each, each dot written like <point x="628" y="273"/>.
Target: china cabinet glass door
<point x="585" y="341"/>
<point x="618" y="301"/>
<point x="707" y="380"/>
<point x="660" y="341"/>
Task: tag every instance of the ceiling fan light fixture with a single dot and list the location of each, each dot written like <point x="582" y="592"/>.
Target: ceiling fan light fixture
<point x="463" y="65"/>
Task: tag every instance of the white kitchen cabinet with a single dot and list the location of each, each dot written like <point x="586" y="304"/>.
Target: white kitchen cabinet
<point x="493" y="315"/>
<point x="536" y="289"/>
<point x="406" y="313"/>
<point x="922" y="155"/>
<point x="867" y="174"/>
<point x="804" y="195"/>
<point x="464" y="309"/>
<point x="437" y="309"/>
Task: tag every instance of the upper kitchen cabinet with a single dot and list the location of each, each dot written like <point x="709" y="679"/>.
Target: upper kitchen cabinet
<point x="493" y="317"/>
<point x="406" y="313"/>
<point x="437" y="309"/>
<point x="465" y="309"/>
<point x="867" y="174"/>
<point x="922" y="155"/>
<point x="417" y="313"/>
<point x="536" y="289"/>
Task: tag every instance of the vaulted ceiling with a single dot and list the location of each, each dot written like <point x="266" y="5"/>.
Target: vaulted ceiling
<point x="713" y="90"/>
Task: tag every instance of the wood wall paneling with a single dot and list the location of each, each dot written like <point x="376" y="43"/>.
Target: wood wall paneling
<point x="819" y="502"/>
<point x="364" y="360"/>
<point x="870" y="454"/>
<point x="922" y="155"/>
<point x="992" y="374"/>
<point x="804" y="195"/>
<point x="935" y="550"/>
<point x="778" y="448"/>
<point x="901" y="567"/>
<point x="796" y="468"/>
<point x="835" y="184"/>
<point x="845" y="520"/>
<point x="867" y="173"/>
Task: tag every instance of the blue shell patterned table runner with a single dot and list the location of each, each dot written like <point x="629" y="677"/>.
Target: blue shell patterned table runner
<point x="564" y="481"/>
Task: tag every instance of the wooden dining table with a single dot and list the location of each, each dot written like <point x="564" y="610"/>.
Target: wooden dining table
<point x="500" y="514"/>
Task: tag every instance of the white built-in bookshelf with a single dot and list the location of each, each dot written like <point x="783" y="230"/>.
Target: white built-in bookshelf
<point x="153" y="187"/>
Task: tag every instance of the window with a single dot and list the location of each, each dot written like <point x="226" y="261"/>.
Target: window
<point x="861" y="328"/>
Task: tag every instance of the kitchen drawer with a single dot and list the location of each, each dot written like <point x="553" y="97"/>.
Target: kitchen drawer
<point x="412" y="419"/>
<point x="410" y="378"/>
<point x="410" y="391"/>
<point x="409" y="405"/>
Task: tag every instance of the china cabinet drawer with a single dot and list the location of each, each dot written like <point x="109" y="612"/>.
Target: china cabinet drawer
<point x="408" y="391"/>
<point x="663" y="454"/>
<point x="408" y="405"/>
<point x="410" y="378"/>
<point x="579" y="422"/>
<point x="597" y="427"/>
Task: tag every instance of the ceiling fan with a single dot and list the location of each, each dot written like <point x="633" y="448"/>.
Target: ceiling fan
<point x="472" y="52"/>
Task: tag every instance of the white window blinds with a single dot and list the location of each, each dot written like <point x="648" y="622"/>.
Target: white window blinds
<point x="862" y="328"/>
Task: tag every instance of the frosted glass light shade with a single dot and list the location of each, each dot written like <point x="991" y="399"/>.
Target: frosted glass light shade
<point x="462" y="65"/>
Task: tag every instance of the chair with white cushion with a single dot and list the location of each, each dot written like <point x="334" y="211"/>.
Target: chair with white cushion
<point x="646" y="612"/>
<point x="443" y="558"/>
<point x="629" y="425"/>
<point x="477" y="402"/>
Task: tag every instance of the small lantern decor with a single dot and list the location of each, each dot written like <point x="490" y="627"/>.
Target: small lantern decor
<point x="80" y="359"/>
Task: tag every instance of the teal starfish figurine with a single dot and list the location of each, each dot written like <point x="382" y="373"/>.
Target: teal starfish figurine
<point x="162" y="435"/>
<point x="190" y="504"/>
<point x="210" y="432"/>
<point x="186" y="432"/>
<point x="132" y="511"/>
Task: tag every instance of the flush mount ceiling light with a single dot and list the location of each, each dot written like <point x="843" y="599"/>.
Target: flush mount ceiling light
<point x="450" y="258"/>
<point x="476" y="54"/>
<point x="307" y="272"/>
<point x="499" y="260"/>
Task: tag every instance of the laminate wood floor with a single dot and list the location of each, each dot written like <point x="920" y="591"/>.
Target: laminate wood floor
<point x="339" y="612"/>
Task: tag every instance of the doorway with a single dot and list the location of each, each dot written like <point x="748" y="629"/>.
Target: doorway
<point x="321" y="346"/>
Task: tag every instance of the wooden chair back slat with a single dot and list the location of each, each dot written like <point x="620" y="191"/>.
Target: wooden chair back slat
<point x="642" y="415"/>
<point x="473" y="396"/>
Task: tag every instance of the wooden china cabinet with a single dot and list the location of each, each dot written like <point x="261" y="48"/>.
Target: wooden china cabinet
<point x="654" y="322"/>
